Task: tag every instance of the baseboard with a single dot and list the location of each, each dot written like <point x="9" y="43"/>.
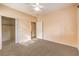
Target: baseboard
<point x="63" y="43"/>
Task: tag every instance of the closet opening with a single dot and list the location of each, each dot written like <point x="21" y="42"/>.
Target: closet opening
<point x="8" y="31"/>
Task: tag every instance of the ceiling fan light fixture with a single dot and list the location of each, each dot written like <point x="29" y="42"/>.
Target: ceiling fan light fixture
<point x="37" y="9"/>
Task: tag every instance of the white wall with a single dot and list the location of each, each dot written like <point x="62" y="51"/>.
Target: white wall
<point x="60" y="26"/>
<point x="39" y="28"/>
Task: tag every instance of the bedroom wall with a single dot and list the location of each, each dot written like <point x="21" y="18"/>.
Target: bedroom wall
<point x="39" y="28"/>
<point x="78" y="26"/>
<point x="60" y="26"/>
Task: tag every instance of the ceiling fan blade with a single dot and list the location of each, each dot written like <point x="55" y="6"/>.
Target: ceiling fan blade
<point x="37" y="5"/>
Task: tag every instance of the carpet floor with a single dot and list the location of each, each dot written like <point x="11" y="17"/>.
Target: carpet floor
<point x="38" y="48"/>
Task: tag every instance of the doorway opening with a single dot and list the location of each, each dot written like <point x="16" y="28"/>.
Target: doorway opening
<point x="8" y="31"/>
<point x="33" y="30"/>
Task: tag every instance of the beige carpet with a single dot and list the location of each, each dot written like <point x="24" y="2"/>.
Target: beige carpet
<point x="38" y="48"/>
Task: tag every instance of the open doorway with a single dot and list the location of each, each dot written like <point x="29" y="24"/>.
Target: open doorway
<point x="33" y="30"/>
<point x="8" y="31"/>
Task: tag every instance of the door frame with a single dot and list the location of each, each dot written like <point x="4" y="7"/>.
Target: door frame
<point x="31" y="29"/>
<point x="16" y="30"/>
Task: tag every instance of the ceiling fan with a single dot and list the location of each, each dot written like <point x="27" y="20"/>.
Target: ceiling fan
<point x="37" y="6"/>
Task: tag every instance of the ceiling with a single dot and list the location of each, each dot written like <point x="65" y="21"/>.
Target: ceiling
<point x="27" y="7"/>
